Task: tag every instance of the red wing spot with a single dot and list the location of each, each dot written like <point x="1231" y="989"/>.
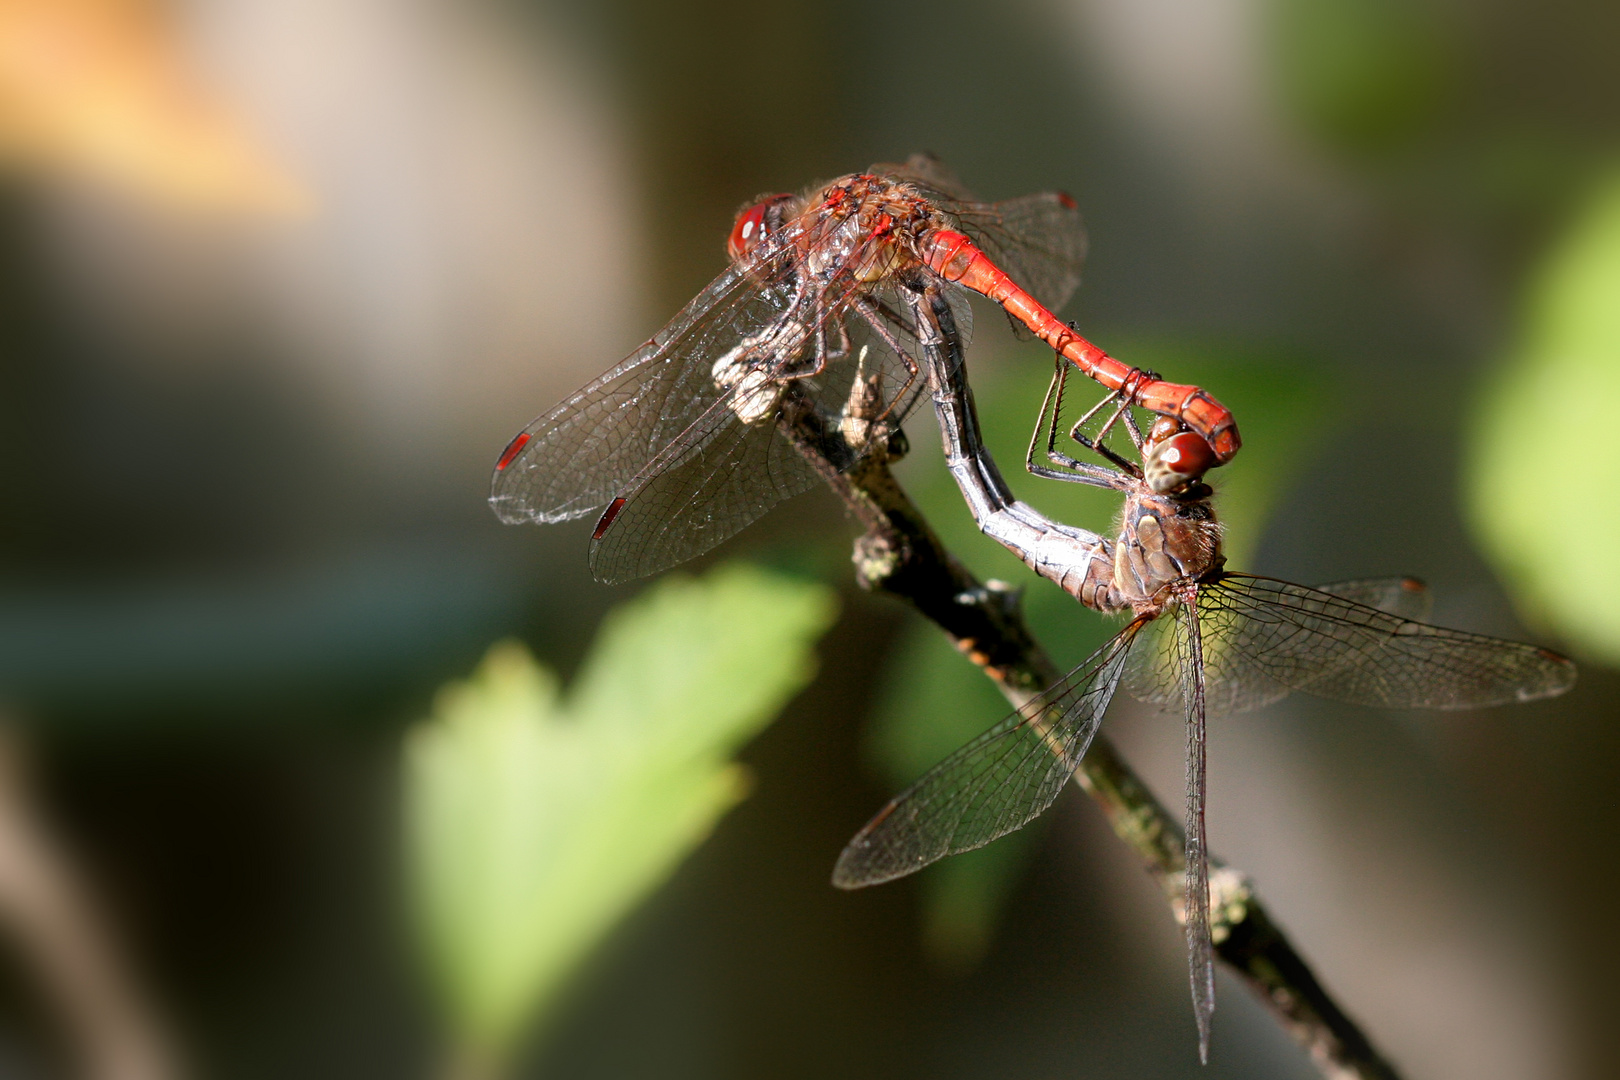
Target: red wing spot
<point x="512" y="450"/>
<point x="1066" y="200"/>
<point x="607" y="517"/>
<point x="1412" y="584"/>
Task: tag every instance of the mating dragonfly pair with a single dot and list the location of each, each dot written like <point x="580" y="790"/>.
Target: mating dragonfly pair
<point x="862" y="284"/>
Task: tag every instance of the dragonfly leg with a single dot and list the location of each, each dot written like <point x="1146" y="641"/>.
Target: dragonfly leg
<point x="1135" y="432"/>
<point x="841" y="350"/>
<point x="1067" y="468"/>
<point x="818" y="354"/>
<point x="791" y="324"/>
<point x="1095" y="443"/>
<point x="875" y="318"/>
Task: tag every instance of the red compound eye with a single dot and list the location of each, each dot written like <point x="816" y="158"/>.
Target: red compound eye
<point x="1187" y="454"/>
<point x="752" y="226"/>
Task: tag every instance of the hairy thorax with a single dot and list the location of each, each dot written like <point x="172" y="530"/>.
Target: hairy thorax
<point x="865" y="224"/>
<point x="1162" y="543"/>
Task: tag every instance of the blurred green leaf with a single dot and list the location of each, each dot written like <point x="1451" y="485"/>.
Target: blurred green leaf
<point x="1365" y="76"/>
<point x="934" y="701"/>
<point x="1552" y="392"/>
<point x="534" y="823"/>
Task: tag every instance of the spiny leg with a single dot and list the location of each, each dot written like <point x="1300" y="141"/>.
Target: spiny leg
<point x="1095" y="443"/>
<point x="875" y="318"/>
<point x="1069" y="469"/>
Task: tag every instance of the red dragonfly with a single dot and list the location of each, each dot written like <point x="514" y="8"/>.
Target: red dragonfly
<point x="677" y="447"/>
<point x="1200" y="638"/>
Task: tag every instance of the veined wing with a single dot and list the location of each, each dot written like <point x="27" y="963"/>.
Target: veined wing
<point x="1039" y="240"/>
<point x="698" y="494"/>
<point x="573" y="459"/>
<point x="1264" y="638"/>
<point x="570" y="461"/>
<point x="1190" y="664"/>
<point x="929" y="172"/>
<point x="723" y="473"/>
<point x="1152" y="674"/>
<point x="997" y="783"/>
<point x="1403" y="597"/>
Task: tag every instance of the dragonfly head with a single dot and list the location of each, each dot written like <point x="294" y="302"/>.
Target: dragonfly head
<point x="1174" y="460"/>
<point x="754" y="224"/>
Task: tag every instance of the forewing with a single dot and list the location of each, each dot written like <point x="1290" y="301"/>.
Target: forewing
<point x="1405" y="597"/>
<point x="997" y="783"/>
<point x="569" y="462"/>
<point x="723" y="474"/>
<point x="1260" y="633"/>
<point x="1153" y="675"/>
<point x="584" y="452"/>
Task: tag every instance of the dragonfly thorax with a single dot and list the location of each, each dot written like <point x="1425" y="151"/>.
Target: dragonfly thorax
<point x="1162" y="541"/>
<point x="867" y="226"/>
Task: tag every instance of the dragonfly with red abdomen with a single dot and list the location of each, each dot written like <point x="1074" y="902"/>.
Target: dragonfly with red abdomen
<point x="1200" y="638"/>
<point x="677" y="447"/>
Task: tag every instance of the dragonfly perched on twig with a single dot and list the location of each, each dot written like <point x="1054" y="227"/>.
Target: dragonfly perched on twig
<point x="677" y="447"/>
<point x="1199" y="636"/>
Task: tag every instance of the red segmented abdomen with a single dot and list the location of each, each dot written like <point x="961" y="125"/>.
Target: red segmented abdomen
<point x="957" y="258"/>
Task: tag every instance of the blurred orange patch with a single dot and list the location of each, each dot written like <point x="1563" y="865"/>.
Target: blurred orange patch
<point x="104" y="89"/>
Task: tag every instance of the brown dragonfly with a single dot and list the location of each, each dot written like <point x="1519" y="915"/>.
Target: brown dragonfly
<point x="1199" y="636"/>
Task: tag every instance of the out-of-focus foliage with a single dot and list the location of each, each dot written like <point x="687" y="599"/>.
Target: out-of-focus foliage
<point x="103" y="88"/>
<point x="535" y="821"/>
<point x="935" y="700"/>
<point x="1536" y="472"/>
<point x="1361" y="75"/>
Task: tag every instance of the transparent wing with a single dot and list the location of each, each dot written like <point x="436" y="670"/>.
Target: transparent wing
<point x="929" y="172"/>
<point x="1189" y="657"/>
<point x="570" y="461"/>
<point x="686" y="504"/>
<point x="996" y="783"/>
<point x="682" y="459"/>
<point x="574" y="459"/>
<point x="1039" y="240"/>
<point x="1264" y="638"/>
<point x="1404" y="597"/>
<point x="723" y="474"/>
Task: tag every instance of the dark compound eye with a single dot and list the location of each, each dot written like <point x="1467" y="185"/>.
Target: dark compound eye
<point x="752" y="226"/>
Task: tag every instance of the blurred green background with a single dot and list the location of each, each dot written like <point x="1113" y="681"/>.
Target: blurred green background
<point x="280" y="280"/>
